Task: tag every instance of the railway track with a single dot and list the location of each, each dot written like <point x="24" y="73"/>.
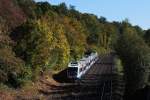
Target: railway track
<point x="96" y="84"/>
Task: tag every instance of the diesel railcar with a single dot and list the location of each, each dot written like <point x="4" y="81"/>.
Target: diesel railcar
<point x="78" y="68"/>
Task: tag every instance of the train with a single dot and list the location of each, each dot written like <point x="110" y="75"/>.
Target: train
<point x="76" y="69"/>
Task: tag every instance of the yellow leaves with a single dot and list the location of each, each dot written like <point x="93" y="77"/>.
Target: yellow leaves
<point x="45" y="30"/>
<point x="75" y="33"/>
<point x="62" y="45"/>
<point x="50" y="36"/>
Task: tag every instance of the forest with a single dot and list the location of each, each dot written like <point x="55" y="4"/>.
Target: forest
<point x="37" y="37"/>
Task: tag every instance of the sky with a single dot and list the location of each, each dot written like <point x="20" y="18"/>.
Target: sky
<point x="137" y="11"/>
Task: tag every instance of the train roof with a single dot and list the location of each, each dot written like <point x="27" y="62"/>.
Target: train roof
<point x="83" y="60"/>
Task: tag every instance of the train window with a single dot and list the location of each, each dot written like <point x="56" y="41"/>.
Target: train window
<point x="74" y="63"/>
<point x="80" y="70"/>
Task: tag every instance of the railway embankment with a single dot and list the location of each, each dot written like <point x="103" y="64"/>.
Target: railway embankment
<point x="101" y="82"/>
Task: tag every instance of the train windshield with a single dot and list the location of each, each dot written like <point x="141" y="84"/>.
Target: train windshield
<point x="72" y="71"/>
<point x="74" y="62"/>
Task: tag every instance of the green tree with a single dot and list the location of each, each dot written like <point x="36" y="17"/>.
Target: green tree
<point x="35" y="45"/>
<point x="135" y="57"/>
<point x="139" y="31"/>
<point x="42" y="8"/>
<point x="147" y="37"/>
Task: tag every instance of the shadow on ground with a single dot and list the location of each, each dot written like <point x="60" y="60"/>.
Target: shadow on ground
<point x="141" y="94"/>
<point x="61" y="77"/>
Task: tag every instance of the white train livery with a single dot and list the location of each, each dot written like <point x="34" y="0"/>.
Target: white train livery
<point x="78" y="68"/>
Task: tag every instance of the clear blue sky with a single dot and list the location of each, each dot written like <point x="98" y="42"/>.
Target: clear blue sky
<point x="137" y="11"/>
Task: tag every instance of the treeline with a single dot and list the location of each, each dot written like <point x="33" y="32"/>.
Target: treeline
<point x="135" y="56"/>
<point x="51" y="36"/>
<point x="48" y="38"/>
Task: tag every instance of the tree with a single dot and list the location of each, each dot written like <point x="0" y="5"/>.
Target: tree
<point x="135" y="56"/>
<point x="72" y="8"/>
<point x="62" y="47"/>
<point x="75" y="35"/>
<point x="102" y="19"/>
<point x="11" y="67"/>
<point x="42" y="8"/>
<point x="62" y="9"/>
<point x="147" y="37"/>
<point x="139" y="30"/>
<point x="28" y="7"/>
<point x="35" y="45"/>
